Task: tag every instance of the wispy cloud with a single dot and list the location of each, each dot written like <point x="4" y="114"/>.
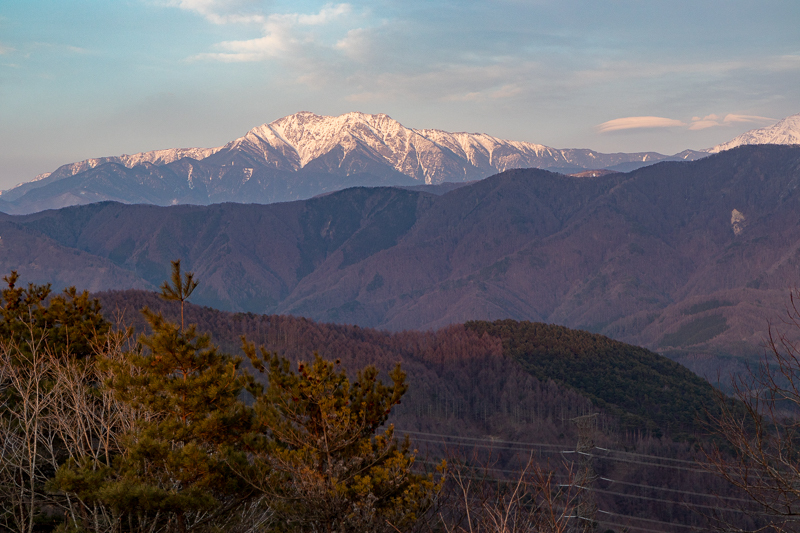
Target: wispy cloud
<point x="6" y="50"/>
<point x="456" y="81"/>
<point x="713" y="121"/>
<point x="357" y="44"/>
<point x="283" y="33"/>
<point x="696" y="124"/>
<point x="708" y="121"/>
<point x="219" y="11"/>
<point x="747" y="118"/>
<point x="632" y="123"/>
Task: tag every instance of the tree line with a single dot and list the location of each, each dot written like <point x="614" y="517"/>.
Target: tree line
<point x="466" y="383"/>
<point x="102" y="431"/>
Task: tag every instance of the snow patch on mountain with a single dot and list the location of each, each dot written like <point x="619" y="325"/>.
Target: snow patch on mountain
<point x="361" y="143"/>
<point x="155" y="157"/>
<point x="787" y="131"/>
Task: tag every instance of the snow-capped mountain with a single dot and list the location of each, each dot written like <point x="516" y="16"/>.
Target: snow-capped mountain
<point x="428" y="155"/>
<point x="787" y="131"/>
<point x="156" y="157"/>
<point x="303" y="155"/>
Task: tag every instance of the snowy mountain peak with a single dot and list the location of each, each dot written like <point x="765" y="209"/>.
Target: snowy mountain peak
<point x="373" y="148"/>
<point x="787" y="131"/>
<point x="425" y="154"/>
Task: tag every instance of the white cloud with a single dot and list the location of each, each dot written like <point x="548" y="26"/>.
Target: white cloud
<point x="708" y="121"/>
<point x="630" y="123"/>
<point x="357" y="44"/>
<point x="283" y="34"/>
<point x="365" y="53"/>
<point x="746" y="118"/>
<point x="509" y="90"/>
<point x="219" y="11"/>
<point x="700" y="124"/>
<point x="788" y="62"/>
<point x="326" y="14"/>
<point x="712" y="121"/>
<point x="450" y="82"/>
<point x="6" y="50"/>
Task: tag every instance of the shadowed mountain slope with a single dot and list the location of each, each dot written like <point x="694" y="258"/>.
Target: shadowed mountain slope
<point x="690" y="258"/>
<point x="494" y="367"/>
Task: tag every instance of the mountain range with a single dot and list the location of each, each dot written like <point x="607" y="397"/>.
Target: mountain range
<point x="300" y="156"/>
<point x="689" y="258"/>
<point x="786" y="131"/>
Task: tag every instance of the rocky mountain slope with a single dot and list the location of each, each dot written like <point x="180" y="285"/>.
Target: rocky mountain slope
<point x="300" y="156"/>
<point x="689" y="258"/>
<point x="787" y="131"/>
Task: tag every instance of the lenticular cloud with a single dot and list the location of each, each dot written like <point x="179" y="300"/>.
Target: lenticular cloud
<point x="630" y="123"/>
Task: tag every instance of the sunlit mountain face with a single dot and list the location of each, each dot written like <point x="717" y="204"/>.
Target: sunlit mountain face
<point x="303" y="155"/>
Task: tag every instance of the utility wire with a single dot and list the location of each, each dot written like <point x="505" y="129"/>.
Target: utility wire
<point x="633" y="461"/>
<point x="628" y="526"/>
<point x="473" y="445"/>
<point x="543" y="445"/>
<point x="645" y="455"/>
<point x="620" y="494"/>
<point x="657" y="465"/>
<point x="676" y="502"/>
<point x="729" y="498"/>
<point x="650" y="520"/>
<point x="484" y="439"/>
<point x="525" y="446"/>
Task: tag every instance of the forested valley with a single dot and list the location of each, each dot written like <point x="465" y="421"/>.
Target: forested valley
<point x="134" y="411"/>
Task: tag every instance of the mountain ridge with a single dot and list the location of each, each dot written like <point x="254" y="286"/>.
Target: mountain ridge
<point x="786" y="131"/>
<point x="690" y="258"/>
<point x="300" y="156"/>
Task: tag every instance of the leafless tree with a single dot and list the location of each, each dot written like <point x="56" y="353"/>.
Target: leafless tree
<point x="534" y="498"/>
<point x="89" y="423"/>
<point x="56" y="410"/>
<point x="26" y="440"/>
<point x="761" y="431"/>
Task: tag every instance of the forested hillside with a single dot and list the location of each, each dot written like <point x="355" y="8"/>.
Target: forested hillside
<point x="642" y="257"/>
<point x="643" y="389"/>
<point x="506" y="389"/>
<point x="162" y="431"/>
<point x="501" y="377"/>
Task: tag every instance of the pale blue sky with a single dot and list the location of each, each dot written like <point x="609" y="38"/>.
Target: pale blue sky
<point x="83" y="79"/>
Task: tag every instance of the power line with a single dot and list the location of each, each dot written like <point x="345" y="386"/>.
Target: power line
<point x="483" y="439"/>
<point x="615" y="493"/>
<point x="476" y="442"/>
<point x="650" y="520"/>
<point x="633" y="461"/>
<point x="472" y="445"/>
<point x="676" y="502"/>
<point x="543" y="445"/>
<point x="673" y="467"/>
<point x="653" y="456"/>
<point x="628" y="526"/>
<point x="729" y="498"/>
<point x="625" y="495"/>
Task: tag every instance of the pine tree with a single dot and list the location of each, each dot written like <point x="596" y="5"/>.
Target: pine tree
<point x="70" y="323"/>
<point x="321" y="456"/>
<point x="181" y="287"/>
<point x="173" y="469"/>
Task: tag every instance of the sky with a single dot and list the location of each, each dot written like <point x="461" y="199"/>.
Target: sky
<point x="81" y="79"/>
